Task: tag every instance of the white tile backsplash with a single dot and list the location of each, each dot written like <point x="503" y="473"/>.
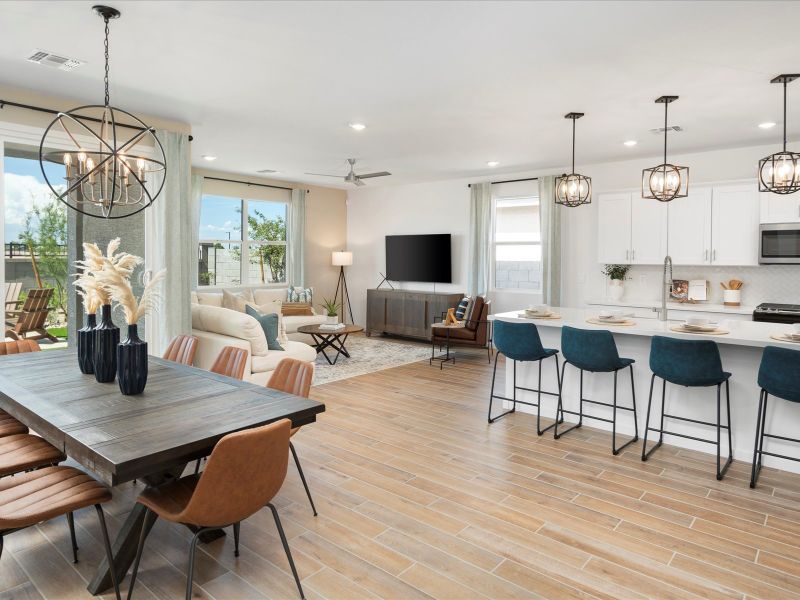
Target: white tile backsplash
<point x="765" y="283"/>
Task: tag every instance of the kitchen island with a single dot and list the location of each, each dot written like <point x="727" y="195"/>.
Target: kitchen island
<point x="740" y="349"/>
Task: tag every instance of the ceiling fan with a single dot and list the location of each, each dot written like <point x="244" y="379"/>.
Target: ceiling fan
<point x="351" y="177"/>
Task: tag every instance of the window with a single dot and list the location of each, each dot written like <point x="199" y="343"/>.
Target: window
<point x="242" y="242"/>
<point x="517" y="244"/>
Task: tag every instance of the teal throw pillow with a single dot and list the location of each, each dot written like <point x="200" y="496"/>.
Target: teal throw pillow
<point x="269" y="323"/>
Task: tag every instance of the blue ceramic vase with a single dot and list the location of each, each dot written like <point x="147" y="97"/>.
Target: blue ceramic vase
<point x="106" y="340"/>
<point x="132" y="363"/>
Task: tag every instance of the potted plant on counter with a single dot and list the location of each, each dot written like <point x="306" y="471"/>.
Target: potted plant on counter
<point x="616" y="280"/>
<point x="331" y="310"/>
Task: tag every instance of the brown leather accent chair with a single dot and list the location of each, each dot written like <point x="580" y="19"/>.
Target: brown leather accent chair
<point x="44" y="494"/>
<point x="244" y="472"/>
<point x="294" y="377"/>
<point x="181" y="349"/>
<point x="476" y="331"/>
<point x="8" y="424"/>
<point x="230" y="362"/>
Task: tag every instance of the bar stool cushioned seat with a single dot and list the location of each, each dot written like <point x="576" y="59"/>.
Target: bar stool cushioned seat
<point x="690" y="363"/>
<point x="595" y="351"/>
<point x="521" y="342"/>
<point x="779" y="376"/>
<point x="29" y="498"/>
<point x="25" y="451"/>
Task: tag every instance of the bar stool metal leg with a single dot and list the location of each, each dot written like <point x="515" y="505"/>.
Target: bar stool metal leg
<point x="759" y="443"/>
<point x="645" y="453"/>
<point x="721" y="472"/>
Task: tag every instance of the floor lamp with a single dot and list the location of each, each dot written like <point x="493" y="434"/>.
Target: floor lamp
<point x="342" y="260"/>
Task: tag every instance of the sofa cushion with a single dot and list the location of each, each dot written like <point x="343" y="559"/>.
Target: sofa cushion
<point x="209" y="298"/>
<point x="300" y="294"/>
<point x="462" y="310"/>
<point x="292" y="323"/>
<point x="456" y="333"/>
<point x="231" y="323"/>
<point x="270" y="323"/>
<point x="237" y="301"/>
<point x="297" y="350"/>
<point x="264" y="295"/>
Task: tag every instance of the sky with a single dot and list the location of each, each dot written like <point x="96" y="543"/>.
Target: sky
<point x="219" y="216"/>
<point x="25" y="188"/>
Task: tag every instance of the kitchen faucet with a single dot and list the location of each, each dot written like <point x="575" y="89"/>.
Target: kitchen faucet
<point x="666" y="287"/>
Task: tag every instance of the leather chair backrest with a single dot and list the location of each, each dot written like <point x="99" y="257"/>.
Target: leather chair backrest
<point x="19" y="347"/>
<point x="230" y="362"/>
<point x="244" y="472"/>
<point x="293" y="377"/>
<point x="474" y="317"/>
<point x="181" y="349"/>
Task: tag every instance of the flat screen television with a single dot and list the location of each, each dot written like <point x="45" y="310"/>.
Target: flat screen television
<point x="418" y="258"/>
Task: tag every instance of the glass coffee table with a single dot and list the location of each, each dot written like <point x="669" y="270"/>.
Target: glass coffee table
<point x="330" y="338"/>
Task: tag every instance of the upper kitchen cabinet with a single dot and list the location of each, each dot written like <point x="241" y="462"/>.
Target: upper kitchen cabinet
<point x="780" y="208"/>
<point x="690" y="228"/>
<point x="734" y="224"/>
<point x="631" y="230"/>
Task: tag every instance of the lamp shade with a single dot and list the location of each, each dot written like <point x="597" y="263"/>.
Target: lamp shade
<point x="341" y="259"/>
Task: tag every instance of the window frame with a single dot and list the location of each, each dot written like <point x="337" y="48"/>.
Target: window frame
<point x="244" y="242"/>
<point x="493" y="244"/>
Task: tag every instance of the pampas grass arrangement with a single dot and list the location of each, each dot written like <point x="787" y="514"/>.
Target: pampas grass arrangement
<point x="116" y="280"/>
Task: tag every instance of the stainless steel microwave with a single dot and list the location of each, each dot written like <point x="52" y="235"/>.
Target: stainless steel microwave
<point x="779" y="243"/>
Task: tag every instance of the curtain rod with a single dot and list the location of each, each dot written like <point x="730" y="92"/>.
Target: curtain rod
<point x="50" y="111"/>
<point x="469" y="185"/>
<point x="266" y="185"/>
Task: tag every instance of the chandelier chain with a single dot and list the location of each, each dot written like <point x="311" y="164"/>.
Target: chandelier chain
<point x="785" y="83"/>
<point x="105" y="78"/>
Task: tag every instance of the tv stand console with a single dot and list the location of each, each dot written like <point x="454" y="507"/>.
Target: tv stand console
<point x="406" y="312"/>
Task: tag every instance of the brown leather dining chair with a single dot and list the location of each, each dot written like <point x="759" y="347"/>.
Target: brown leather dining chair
<point x="230" y="362"/>
<point x="182" y="349"/>
<point x="294" y="377"/>
<point x="8" y="424"/>
<point x="245" y="471"/>
<point x="31" y="498"/>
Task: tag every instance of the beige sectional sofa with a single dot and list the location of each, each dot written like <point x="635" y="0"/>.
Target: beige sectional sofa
<point x="217" y="327"/>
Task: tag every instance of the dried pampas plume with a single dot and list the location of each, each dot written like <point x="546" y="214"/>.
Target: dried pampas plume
<point x="116" y="279"/>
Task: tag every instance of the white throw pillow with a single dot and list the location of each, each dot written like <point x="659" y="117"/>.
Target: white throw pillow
<point x="237" y="301"/>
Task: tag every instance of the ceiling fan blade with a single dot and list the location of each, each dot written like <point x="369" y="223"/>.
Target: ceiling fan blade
<point x="368" y="175"/>
<point x="324" y="175"/>
<point x="358" y="182"/>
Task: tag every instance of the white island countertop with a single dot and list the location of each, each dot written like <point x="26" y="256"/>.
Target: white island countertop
<point x="682" y="306"/>
<point x="742" y="333"/>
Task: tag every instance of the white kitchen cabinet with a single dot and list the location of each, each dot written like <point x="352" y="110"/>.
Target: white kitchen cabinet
<point x="614" y="228"/>
<point x="690" y="228"/>
<point x="734" y="224"/>
<point x="648" y="231"/>
<point x="780" y="208"/>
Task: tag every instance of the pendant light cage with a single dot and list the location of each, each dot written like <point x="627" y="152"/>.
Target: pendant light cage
<point x="112" y="170"/>
<point x="573" y="189"/>
<point x="666" y="181"/>
<point x="779" y="173"/>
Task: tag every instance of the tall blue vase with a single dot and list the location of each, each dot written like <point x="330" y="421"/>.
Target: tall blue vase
<point x="132" y="363"/>
<point x="86" y="345"/>
<point x="106" y="339"/>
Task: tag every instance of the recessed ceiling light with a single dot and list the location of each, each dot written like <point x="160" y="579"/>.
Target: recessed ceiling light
<point x="358" y="126"/>
<point x="630" y="143"/>
<point x="767" y="125"/>
<point x="209" y="157"/>
<point x="492" y="163"/>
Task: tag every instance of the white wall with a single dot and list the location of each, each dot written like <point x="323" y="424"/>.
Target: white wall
<point x="442" y="207"/>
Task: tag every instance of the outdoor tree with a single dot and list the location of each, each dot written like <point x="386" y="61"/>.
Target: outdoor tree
<point x="268" y="256"/>
<point x="45" y="236"/>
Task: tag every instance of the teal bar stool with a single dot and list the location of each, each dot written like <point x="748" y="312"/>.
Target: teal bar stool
<point x="779" y="376"/>
<point x="520" y="342"/>
<point x="595" y="351"/>
<point x="690" y="363"/>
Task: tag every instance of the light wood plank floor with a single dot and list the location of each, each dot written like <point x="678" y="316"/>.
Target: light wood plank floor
<point x="419" y="497"/>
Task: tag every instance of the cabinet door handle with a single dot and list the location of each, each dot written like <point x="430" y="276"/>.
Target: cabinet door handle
<point x="714" y="254"/>
<point x="633" y="255"/>
<point x="627" y="255"/>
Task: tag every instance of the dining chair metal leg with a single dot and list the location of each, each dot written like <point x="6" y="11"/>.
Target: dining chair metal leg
<point x="236" y="528"/>
<point x="112" y="570"/>
<point x="302" y="477"/>
<point x="71" y="522"/>
<point x="286" y="549"/>
<point x="192" y="549"/>
<point x="147" y="521"/>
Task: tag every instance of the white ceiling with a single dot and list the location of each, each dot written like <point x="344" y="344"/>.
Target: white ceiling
<point x="443" y="86"/>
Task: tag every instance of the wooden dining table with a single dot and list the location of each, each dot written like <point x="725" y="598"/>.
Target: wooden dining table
<point x="151" y="437"/>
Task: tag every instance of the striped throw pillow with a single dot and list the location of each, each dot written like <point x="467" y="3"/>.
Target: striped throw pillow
<point x="463" y="307"/>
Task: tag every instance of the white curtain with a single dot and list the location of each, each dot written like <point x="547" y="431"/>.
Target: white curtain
<point x="295" y="255"/>
<point x="480" y="219"/>
<point x="550" y="219"/>
<point x="171" y="243"/>
<point x="195" y="198"/>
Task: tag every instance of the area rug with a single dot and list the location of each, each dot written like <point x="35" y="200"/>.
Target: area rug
<point x="367" y="355"/>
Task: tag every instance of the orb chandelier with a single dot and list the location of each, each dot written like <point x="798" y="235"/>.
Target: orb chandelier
<point x="110" y="172"/>
<point x="665" y="182"/>
<point x="573" y="189"/>
<point x="779" y="173"/>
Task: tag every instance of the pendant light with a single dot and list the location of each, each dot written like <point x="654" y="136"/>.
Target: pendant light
<point x="666" y="181"/>
<point x="109" y="166"/>
<point x="779" y="173"/>
<point x="573" y="189"/>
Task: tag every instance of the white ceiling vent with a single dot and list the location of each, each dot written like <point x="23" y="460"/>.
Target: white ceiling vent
<point x="56" y="61"/>
<point x="661" y="130"/>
